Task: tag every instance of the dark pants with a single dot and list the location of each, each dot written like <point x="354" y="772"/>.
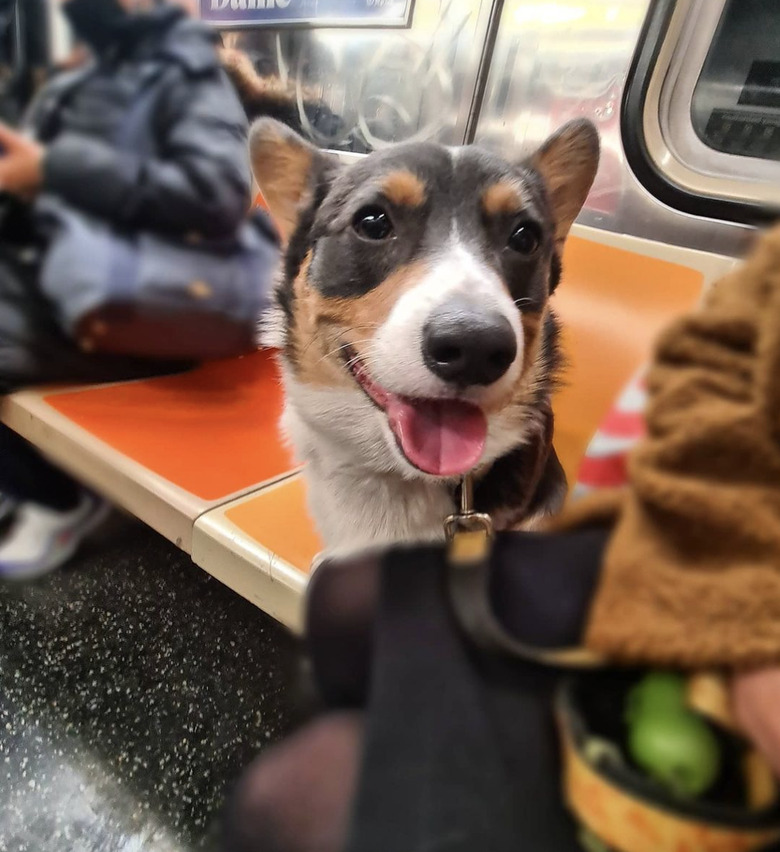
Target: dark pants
<point x="26" y="476"/>
<point x="34" y="350"/>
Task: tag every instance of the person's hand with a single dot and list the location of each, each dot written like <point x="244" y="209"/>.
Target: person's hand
<point x="21" y="163"/>
<point x="756" y="698"/>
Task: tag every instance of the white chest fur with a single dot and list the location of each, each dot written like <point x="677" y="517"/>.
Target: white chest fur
<point x="356" y="513"/>
<point x="354" y="504"/>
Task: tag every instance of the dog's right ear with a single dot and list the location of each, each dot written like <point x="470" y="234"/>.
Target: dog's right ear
<point x="286" y="168"/>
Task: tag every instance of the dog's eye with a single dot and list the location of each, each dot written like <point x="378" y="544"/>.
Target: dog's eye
<point x="372" y="223"/>
<point x="525" y="238"/>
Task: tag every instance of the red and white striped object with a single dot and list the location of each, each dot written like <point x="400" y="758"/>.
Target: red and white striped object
<point x="605" y="461"/>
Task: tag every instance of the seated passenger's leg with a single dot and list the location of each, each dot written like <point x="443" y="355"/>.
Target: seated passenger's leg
<point x="53" y="513"/>
<point x="7" y="507"/>
<point x="26" y="476"/>
<point x="298" y="796"/>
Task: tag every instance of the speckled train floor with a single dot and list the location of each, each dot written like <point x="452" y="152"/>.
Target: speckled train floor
<point x="133" y="689"/>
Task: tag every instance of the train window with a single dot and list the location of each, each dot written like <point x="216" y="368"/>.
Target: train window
<point x="736" y="103"/>
<point x="360" y="89"/>
<point x="701" y="125"/>
<point x="554" y="62"/>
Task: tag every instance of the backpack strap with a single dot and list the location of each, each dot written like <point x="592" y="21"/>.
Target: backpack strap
<point x="469" y="590"/>
<point x="470" y="546"/>
<point x="175" y="61"/>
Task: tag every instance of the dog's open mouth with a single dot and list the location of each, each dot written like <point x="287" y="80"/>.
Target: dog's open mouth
<point x="442" y="437"/>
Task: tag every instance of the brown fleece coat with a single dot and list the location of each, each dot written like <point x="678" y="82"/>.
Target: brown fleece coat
<point x="692" y="573"/>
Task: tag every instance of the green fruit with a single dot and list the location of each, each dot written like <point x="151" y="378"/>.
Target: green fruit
<point x="656" y="692"/>
<point x="677" y="749"/>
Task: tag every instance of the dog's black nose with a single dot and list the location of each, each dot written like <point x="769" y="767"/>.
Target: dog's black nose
<point x="468" y="345"/>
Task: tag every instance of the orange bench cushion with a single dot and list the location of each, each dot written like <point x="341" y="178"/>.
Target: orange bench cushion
<point x="212" y="431"/>
<point x="278" y="519"/>
<point x="612" y="304"/>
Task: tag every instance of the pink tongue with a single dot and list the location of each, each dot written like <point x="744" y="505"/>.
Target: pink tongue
<point x="443" y="437"/>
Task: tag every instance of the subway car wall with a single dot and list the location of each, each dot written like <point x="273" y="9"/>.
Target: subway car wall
<point x="503" y="75"/>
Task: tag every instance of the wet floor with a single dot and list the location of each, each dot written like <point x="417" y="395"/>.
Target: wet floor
<point x="133" y="689"/>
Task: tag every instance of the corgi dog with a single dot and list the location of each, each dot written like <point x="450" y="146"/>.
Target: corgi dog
<point x="415" y="327"/>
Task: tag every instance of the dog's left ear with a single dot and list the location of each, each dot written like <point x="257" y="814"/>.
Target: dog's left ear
<point x="287" y="169"/>
<point x="568" y="162"/>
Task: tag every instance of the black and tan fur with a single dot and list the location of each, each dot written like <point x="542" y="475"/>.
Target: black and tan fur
<point x="452" y="212"/>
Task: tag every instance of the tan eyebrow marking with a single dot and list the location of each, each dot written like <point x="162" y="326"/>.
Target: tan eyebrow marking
<point x="403" y="188"/>
<point x="502" y="197"/>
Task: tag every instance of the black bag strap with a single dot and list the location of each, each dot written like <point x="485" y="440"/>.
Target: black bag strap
<point x="470" y="537"/>
<point x="469" y="590"/>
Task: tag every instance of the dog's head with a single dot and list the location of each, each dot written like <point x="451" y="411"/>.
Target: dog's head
<point x="415" y="293"/>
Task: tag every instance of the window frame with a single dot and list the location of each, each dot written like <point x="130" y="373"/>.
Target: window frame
<point x="655" y="67"/>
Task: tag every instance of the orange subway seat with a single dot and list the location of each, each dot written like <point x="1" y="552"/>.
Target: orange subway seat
<point x="612" y="304"/>
<point x="279" y="520"/>
<point x="212" y="431"/>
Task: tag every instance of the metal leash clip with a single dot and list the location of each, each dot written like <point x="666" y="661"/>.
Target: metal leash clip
<point x="469" y="533"/>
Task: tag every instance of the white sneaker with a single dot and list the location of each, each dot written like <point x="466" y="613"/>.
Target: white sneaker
<point x="7" y="507"/>
<point x="41" y="540"/>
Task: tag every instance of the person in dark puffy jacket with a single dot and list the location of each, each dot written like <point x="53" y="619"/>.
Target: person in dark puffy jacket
<point x="199" y="185"/>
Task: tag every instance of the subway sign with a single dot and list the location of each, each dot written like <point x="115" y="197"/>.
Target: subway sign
<point x="328" y="13"/>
